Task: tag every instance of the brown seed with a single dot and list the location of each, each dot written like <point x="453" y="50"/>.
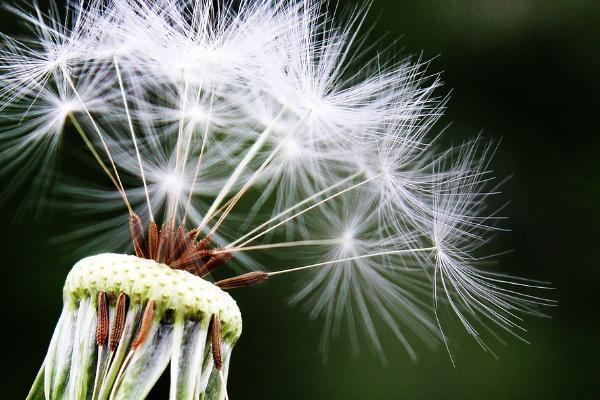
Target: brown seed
<point x="204" y="243"/>
<point x="102" y="326"/>
<point x="137" y="235"/>
<point x="183" y="244"/>
<point x="191" y="261"/>
<point x="251" y="278"/>
<point x="215" y="334"/>
<point x="194" y="233"/>
<point x="215" y="262"/>
<point x="165" y="243"/>
<point x="118" y="322"/>
<point x="152" y="240"/>
<point x="145" y="326"/>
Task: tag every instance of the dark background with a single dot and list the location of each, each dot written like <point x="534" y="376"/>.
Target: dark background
<point x="526" y="72"/>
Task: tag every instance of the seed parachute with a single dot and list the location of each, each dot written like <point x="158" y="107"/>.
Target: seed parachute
<point x="221" y="131"/>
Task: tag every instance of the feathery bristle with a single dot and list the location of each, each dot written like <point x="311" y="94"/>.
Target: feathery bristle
<point x="259" y="126"/>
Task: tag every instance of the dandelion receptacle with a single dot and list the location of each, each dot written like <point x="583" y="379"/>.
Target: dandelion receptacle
<point x="222" y="130"/>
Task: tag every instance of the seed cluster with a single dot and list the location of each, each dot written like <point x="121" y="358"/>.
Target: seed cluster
<point x="177" y="248"/>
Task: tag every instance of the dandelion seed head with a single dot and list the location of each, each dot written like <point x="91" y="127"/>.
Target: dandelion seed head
<point x="262" y="125"/>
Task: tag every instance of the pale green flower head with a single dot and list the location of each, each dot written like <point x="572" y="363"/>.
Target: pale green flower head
<point x="107" y="345"/>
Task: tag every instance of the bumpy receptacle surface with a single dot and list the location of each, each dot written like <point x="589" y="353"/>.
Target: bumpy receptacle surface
<point x="78" y="367"/>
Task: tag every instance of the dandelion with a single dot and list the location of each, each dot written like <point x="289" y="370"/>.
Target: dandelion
<point x="229" y="130"/>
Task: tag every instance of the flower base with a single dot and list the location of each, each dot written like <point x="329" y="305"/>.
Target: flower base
<point x="124" y="320"/>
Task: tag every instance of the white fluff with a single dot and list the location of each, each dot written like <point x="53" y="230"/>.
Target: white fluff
<point x="262" y="122"/>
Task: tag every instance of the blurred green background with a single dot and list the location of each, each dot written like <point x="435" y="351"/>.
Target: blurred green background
<point x="526" y="72"/>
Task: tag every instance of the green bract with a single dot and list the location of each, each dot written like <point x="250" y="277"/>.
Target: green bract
<point x="78" y="367"/>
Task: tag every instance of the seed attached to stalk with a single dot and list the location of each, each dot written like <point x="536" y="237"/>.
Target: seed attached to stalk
<point x="215" y="262"/>
<point x="165" y="243"/>
<point x="152" y="240"/>
<point x="119" y="321"/>
<point x="102" y="325"/>
<point x="145" y="327"/>
<point x="204" y="243"/>
<point x="137" y="235"/>
<point x="215" y="335"/>
<point x="251" y="278"/>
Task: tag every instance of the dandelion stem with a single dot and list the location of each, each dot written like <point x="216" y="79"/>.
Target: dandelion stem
<point x="97" y="381"/>
<point x="379" y="254"/>
<point x="223" y="384"/>
<point x="120" y="374"/>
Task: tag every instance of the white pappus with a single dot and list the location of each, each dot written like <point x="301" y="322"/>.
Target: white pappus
<point x="258" y="124"/>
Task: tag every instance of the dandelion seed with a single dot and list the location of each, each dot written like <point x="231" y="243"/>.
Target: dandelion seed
<point x="226" y="130"/>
